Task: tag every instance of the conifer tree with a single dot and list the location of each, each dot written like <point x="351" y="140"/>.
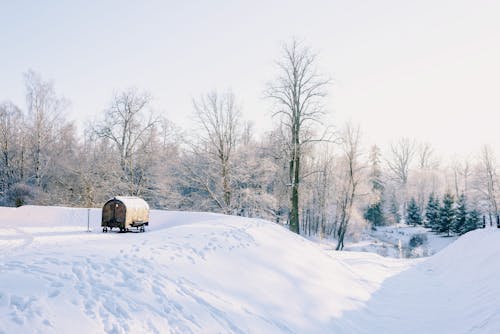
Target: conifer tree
<point x="432" y="213"/>
<point x="446" y="214"/>
<point x="413" y="216"/>
<point x="459" y="222"/>
<point x="374" y="212"/>
<point x="394" y="210"/>
<point x="473" y="219"/>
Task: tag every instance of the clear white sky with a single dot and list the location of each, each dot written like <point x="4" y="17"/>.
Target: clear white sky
<point x="423" y="69"/>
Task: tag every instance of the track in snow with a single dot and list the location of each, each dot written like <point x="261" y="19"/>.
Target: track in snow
<point x="206" y="273"/>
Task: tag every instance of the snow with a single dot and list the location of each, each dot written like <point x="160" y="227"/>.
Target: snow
<point x="208" y="273"/>
<point x="386" y="241"/>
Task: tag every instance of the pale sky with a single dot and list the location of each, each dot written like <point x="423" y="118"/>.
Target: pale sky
<point x="423" y="69"/>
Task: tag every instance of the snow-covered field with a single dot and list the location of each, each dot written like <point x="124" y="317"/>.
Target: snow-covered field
<point x="208" y="273"/>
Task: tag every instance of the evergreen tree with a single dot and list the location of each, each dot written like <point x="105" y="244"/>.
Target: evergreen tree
<point x="458" y="224"/>
<point x="394" y="210"/>
<point x="413" y="216"/>
<point x="432" y="213"/>
<point x="375" y="214"/>
<point x="446" y="214"/>
<point x="472" y="221"/>
<point x="375" y="176"/>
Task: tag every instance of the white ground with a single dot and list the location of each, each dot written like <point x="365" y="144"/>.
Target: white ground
<point x="393" y="241"/>
<point x="207" y="273"/>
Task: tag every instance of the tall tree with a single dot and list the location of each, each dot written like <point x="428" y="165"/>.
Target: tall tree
<point x="425" y="156"/>
<point x="219" y="120"/>
<point x="44" y="118"/>
<point x="403" y="152"/>
<point x="490" y="180"/>
<point x="11" y="138"/>
<point x="375" y="175"/>
<point x="350" y="178"/>
<point x="127" y="124"/>
<point x="298" y="92"/>
<point x="374" y="212"/>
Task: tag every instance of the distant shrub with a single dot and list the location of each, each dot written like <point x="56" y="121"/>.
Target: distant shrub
<point x="19" y="195"/>
<point x="417" y="240"/>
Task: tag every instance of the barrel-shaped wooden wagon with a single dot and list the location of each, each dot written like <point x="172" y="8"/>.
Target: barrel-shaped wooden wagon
<point x="124" y="213"/>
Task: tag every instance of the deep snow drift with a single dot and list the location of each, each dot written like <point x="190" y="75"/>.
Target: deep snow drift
<point x="208" y="273"/>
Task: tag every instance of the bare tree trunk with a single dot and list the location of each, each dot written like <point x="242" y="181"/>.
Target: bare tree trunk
<point x="350" y="182"/>
<point x="298" y="90"/>
<point x="219" y="120"/>
<point x="491" y="178"/>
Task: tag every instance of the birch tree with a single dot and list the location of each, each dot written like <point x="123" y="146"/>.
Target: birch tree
<point x="44" y="118"/>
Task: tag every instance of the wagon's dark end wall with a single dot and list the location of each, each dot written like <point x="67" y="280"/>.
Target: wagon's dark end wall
<point x="113" y="213"/>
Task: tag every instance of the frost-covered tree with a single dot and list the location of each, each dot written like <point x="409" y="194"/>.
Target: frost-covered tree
<point x="211" y="162"/>
<point x="11" y="146"/>
<point x="374" y="212"/>
<point x="298" y="92"/>
<point x="44" y="118"/>
<point x="402" y="154"/>
<point x="350" y="178"/>
<point x="127" y="125"/>
<point x="489" y="180"/>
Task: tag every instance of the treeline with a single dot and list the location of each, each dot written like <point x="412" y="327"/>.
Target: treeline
<point x="452" y="216"/>
<point x="317" y="180"/>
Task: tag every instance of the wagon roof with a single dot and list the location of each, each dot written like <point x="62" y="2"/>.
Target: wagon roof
<point x="132" y="202"/>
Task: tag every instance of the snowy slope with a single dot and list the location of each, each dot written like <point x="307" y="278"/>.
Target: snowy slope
<point x="208" y="273"/>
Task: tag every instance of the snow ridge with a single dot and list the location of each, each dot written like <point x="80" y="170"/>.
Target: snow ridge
<point x="208" y="273"/>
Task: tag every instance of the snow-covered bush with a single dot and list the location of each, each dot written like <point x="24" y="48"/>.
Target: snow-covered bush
<point x="20" y="194"/>
<point x="416" y="240"/>
<point x="417" y="245"/>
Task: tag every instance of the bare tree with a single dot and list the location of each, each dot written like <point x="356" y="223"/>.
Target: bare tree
<point x="425" y="156"/>
<point x="298" y="92"/>
<point x="44" y="116"/>
<point x="11" y="120"/>
<point x="489" y="176"/>
<point x="403" y="152"/>
<point x="219" y="119"/>
<point x="128" y="123"/>
<point x="350" y="178"/>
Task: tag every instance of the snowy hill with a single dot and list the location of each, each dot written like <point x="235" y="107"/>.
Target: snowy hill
<point x="209" y="273"/>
